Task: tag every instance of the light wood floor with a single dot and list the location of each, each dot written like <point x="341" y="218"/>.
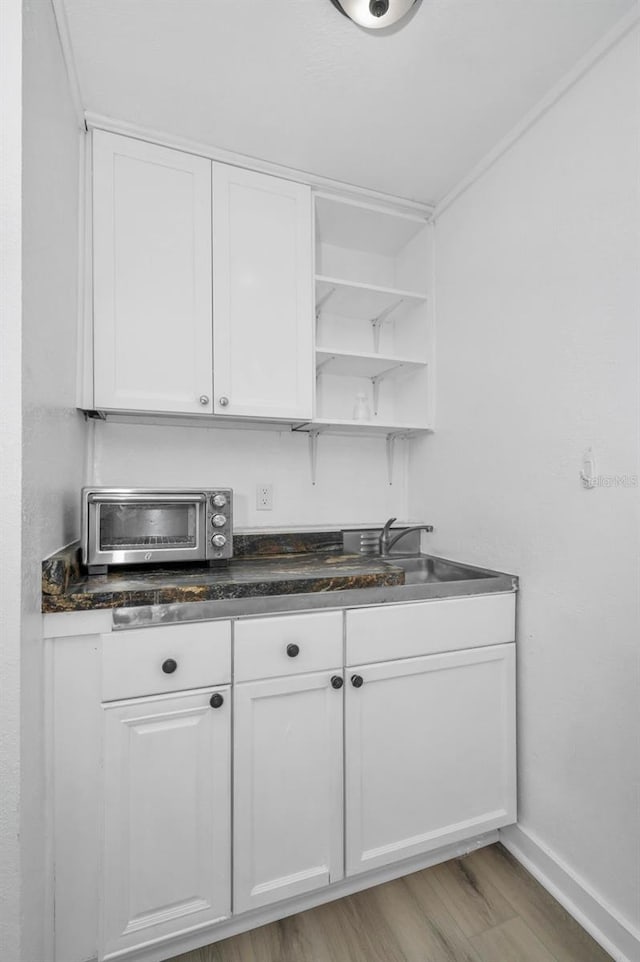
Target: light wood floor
<point x="481" y="908"/>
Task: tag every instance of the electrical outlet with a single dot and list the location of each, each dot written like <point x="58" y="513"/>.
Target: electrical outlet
<point x="264" y="497"/>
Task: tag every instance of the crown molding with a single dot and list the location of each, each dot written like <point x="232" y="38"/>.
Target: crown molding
<point x="62" y="26"/>
<point x="161" y="137"/>
<point x="589" y="60"/>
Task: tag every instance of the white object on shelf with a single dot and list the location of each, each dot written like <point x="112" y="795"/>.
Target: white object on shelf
<point x="361" y="409"/>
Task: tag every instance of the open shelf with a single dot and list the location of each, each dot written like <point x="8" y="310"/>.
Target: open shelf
<point x="349" y="426"/>
<point x="352" y="364"/>
<point x="365" y="227"/>
<point x="374" y="333"/>
<point x="364" y="302"/>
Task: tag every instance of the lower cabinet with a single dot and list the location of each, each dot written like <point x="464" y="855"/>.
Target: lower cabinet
<point x="288" y="811"/>
<point x="336" y="771"/>
<point x="167" y="816"/>
<point x="430" y="753"/>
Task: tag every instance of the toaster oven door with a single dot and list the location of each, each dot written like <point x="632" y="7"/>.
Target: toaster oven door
<point x="146" y="528"/>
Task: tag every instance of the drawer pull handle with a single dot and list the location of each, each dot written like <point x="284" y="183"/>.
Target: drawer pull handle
<point x="357" y="681"/>
<point x="336" y="682"/>
<point x="216" y="701"/>
<point x="293" y="651"/>
<point x="169" y="666"/>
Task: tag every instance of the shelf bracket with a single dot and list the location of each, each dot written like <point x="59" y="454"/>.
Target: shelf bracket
<point x="375" y="383"/>
<point x="377" y="322"/>
<point x="323" y="300"/>
<point x="391" y="443"/>
<point x="376" y="380"/>
<point x="313" y="454"/>
<point x="324" y="363"/>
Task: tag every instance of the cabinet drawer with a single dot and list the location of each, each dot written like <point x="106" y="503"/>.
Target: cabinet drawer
<point x="261" y="645"/>
<point x="135" y="662"/>
<point x="407" y="631"/>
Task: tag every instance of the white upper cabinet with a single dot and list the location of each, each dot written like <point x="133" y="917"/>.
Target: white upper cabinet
<point x="201" y="304"/>
<point x="262" y="296"/>
<point x="151" y="277"/>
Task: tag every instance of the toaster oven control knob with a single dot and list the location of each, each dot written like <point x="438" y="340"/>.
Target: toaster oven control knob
<point x="219" y="500"/>
<point x="218" y="541"/>
<point x="218" y="520"/>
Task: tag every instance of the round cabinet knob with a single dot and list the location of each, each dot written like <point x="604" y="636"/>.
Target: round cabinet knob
<point x="293" y="651"/>
<point x="204" y="399"/>
<point x="336" y="682"/>
<point x="218" y="500"/>
<point x="218" y="541"/>
<point x="223" y="401"/>
<point x="169" y="666"/>
<point x="216" y="701"/>
<point x="218" y="520"/>
<point x="357" y="681"/>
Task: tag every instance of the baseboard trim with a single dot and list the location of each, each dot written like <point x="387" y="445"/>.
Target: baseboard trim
<point x="614" y="934"/>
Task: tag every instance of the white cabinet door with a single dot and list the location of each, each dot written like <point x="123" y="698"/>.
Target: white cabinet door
<point x="151" y="277"/>
<point x="167" y="817"/>
<point x="288" y="788"/>
<point x="262" y="295"/>
<point x="430" y="753"/>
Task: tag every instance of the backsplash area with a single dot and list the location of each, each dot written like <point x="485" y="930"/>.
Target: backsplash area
<point x="352" y="485"/>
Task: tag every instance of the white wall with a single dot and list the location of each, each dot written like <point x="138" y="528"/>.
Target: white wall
<point x="352" y="485"/>
<point x="10" y="472"/>
<point x="538" y="307"/>
<point x="53" y="431"/>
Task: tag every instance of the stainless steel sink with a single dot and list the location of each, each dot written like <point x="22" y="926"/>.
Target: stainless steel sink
<point x="424" y="569"/>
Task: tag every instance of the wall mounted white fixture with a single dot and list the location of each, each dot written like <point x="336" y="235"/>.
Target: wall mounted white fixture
<point x="374" y="14"/>
<point x="588" y="471"/>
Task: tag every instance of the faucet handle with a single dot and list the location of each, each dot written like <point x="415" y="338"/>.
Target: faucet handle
<point x="388" y="523"/>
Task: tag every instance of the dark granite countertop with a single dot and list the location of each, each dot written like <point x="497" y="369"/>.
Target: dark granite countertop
<point x="263" y="565"/>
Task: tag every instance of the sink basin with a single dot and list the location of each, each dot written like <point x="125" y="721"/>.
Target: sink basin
<point x="423" y="569"/>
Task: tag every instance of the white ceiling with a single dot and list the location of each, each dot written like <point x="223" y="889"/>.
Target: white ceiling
<point x="295" y="83"/>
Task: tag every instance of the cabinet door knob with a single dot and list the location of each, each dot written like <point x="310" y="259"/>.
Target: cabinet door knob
<point x="216" y="701"/>
<point x="169" y="666"/>
<point x="223" y="401"/>
<point x="293" y="651"/>
<point x="336" y="681"/>
<point x="357" y="681"/>
<point x="204" y="399"/>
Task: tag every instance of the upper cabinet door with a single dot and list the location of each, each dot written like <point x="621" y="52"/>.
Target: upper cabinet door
<point x="151" y="277"/>
<point x="262" y="297"/>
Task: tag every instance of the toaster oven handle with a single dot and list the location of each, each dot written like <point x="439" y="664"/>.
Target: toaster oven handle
<point x="125" y="498"/>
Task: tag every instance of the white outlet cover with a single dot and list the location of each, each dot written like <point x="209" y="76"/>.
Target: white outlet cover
<point x="264" y="497"/>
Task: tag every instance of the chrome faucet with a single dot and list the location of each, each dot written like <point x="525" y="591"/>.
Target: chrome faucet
<point x="387" y="542"/>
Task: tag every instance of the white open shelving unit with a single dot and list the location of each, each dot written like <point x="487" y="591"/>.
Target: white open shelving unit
<point x="374" y="332"/>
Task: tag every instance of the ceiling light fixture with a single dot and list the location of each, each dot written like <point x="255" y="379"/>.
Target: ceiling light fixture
<point x="374" y="14"/>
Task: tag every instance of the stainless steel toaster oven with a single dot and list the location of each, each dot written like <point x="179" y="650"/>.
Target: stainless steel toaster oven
<point x="125" y="526"/>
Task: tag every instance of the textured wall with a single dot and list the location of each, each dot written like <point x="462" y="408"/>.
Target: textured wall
<point x="538" y="335"/>
<point x="352" y="484"/>
<point x="53" y="431"/>
<point x="10" y="494"/>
